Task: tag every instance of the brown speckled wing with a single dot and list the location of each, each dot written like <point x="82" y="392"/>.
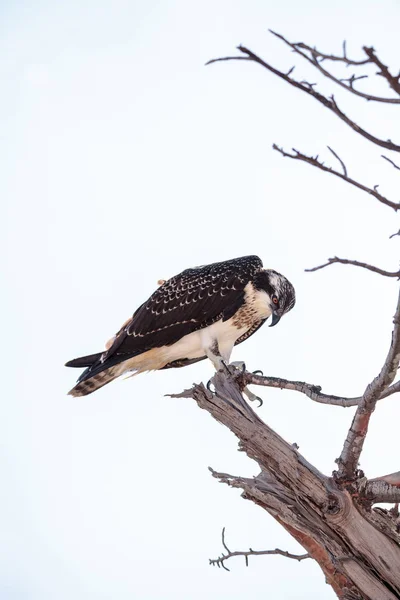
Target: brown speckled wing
<point x="185" y="303"/>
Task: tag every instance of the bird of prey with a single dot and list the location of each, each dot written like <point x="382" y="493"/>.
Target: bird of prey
<point x="202" y="312"/>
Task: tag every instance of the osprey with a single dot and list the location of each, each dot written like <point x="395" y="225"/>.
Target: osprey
<point x="202" y="312"/>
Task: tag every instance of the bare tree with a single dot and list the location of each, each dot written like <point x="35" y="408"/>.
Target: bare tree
<point x="333" y="517"/>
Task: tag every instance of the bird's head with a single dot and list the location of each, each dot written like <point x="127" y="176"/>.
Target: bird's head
<point x="280" y="294"/>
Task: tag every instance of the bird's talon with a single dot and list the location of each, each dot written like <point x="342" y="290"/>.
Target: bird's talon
<point x="252" y="397"/>
<point x="224" y="367"/>
<point x="258" y="372"/>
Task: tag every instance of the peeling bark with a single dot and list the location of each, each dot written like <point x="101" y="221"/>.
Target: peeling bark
<point x="358" y="551"/>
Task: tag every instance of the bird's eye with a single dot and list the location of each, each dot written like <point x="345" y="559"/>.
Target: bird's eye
<point x="275" y="300"/>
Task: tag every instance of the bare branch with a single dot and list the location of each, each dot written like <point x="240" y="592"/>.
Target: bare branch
<point x="316" y="58"/>
<point x="340" y="160"/>
<point x="308" y="389"/>
<point x="383" y="70"/>
<point x="392" y="478"/>
<point x="391" y="162"/>
<point x="354" y="442"/>
<point x="316" y="163"/>
<point x="393" y="389"/>
<point x="351" y="81"/>
<point x="329" y="103"/>
<point x="332" y="57"/>
<point x="381" y="491"/>
<point x="215" y="60"/>
<point x="394" y="234"/>
<point x="356" y="263"/>
<point x="220" y="561"/>
<point x="312" y="391"/>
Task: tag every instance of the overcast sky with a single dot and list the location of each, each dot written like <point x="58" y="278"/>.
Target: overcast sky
<point x="126" y="160"/>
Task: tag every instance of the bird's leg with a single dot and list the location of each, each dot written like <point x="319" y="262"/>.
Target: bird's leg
<point x="222" y="363"/>
<point x="219" y="359"/>
<point x="214" y="355"/>
<point x="239" y="364"/>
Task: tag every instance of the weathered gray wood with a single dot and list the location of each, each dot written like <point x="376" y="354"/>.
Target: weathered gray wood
<point x="358" y="551"/>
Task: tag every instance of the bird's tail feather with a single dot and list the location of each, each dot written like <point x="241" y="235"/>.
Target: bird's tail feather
<point x="91" y="384"/>
<point x="98" y="373"/>
<point x="84" y="361"/>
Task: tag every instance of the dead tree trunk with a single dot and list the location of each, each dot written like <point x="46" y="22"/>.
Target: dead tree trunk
<point x="357" y="549"/>
<point x="356" y="545"/>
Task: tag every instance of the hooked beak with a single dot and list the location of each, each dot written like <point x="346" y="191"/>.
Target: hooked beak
<point x="275" y="319"/>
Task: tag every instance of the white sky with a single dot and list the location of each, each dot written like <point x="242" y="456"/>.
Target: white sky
<point x="125" y="160"/>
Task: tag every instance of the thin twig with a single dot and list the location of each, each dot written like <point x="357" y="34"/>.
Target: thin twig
<point x="316" y="58"/>
<point x="215" y="60"/>
<point x="356" y="263"/>
<point x="351" y="81"/>
<point x="220" y="561"/>
<point x="391" y="162"/>
<point x="394" y="234"/>
<point x="329" y="103"/>
<point x="340" y="160"/>
<point x="353" y="445"/>
<point x="332" y="57"/>
<point x="311" y="160"/>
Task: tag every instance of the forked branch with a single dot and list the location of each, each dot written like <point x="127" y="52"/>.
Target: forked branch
<point x="220" y="561"/>
<point x="315" y="162"/>
<point x="304" y="86"/>
<point x="321" y="56"/>
<point x="316" y="58"/>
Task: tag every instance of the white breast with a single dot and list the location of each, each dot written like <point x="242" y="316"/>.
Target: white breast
<point x="255" y="308"/>
<point x="194" y="345"/>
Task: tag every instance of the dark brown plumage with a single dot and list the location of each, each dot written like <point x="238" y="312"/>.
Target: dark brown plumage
<point x="191" y="301"/>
